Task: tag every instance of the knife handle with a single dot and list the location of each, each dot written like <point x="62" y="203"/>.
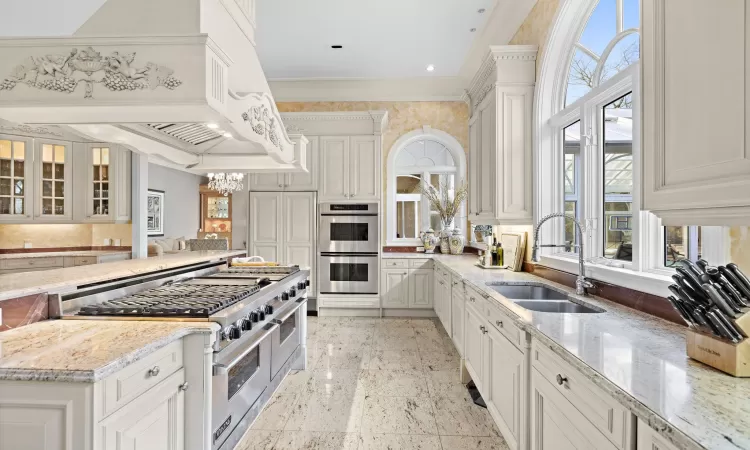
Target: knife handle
<point x="732" y="293"/>
<point x="739" y="274"/>
<point x="735" y="280"/>
<point x="723" y="330"/>
<point x="736" y="332"/>
<point x="697" y="298"/>
<point x="717" y="299"/>
<point x="680" y="309"/>
<point x="692" y="267"/>
<point x="690" y="279"/>
<point x="703" y="264"/>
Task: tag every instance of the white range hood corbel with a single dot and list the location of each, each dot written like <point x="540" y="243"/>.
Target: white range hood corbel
<point x="182" y="83"/>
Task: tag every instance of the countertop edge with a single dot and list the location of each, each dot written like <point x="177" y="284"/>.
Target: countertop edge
<point x="92" y="376"/>
<point x="655" y="421"/>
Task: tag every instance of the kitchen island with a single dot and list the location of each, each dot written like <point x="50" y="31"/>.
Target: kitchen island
<point x="59" y="281"/>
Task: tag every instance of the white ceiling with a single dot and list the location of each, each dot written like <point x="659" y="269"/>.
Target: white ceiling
<point x="381" y="38"/>
<point x="45" y="17"/>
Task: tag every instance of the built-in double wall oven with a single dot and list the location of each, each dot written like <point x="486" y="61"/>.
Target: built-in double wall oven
<point x="349" y="237"/>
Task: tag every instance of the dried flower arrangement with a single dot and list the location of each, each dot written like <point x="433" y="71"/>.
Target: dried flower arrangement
<point x="441" y="200"/>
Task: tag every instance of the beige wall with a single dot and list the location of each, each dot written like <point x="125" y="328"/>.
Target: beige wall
<point x="62" y="235"/>
<point x="534" y="30"/>
<point x="403" y="117"/>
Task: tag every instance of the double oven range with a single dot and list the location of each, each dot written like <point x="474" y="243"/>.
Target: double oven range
<point x="261" y="311"/>
<point x="349" y="248"/>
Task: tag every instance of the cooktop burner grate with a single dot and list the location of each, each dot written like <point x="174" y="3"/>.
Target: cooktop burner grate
<point x="173" y="301"/>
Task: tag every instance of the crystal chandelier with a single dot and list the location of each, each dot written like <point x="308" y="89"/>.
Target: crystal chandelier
<point x="225" y="183"/>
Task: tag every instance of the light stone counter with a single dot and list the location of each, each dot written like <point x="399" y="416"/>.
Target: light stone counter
<point x="72" y="253"/>
<point x="405" y="255"/>
<point x="85" y="350"/>
<point x="61" y="280"/>
<point x="638" y="359"/>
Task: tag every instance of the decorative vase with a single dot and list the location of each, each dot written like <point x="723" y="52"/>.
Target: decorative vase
<point x="445" y="247"/>
<point x="456" y="242"/>
<point x="429" y="240"/>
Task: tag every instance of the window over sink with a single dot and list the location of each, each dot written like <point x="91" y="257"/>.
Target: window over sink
<point x="588" y="102"/>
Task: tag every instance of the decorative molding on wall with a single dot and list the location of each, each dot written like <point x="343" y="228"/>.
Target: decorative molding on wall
<point x="23" y="128"/>
<point x="63" y="73"/>
<point x="294" y="129"/>
<point x="503" y="65"/>
<point x="262" y="123"/>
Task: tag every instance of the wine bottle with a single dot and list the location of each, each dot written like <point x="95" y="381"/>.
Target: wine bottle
<point x="499" y="251"/>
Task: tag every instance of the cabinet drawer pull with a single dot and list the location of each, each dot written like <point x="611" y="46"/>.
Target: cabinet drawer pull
<point x="561" y="380"/>
<point x="184" y="386"/>
<point x="499" y="323"/>
<point x="154" y="371"/>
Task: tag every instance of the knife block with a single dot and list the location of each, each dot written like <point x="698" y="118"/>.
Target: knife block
<point x="722" y="354"/>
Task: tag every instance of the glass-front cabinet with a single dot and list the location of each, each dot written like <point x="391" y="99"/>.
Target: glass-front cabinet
<point x="51" y="181"/>
<point x="15" y="172"/>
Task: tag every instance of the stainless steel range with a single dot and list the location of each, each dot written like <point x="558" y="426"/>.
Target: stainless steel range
<point x="262" y="316"/>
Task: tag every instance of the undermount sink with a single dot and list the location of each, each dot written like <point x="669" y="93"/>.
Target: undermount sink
<point x="541" y="299"/>
<point x="556" y="307"/>
<point x="528" y="292"/>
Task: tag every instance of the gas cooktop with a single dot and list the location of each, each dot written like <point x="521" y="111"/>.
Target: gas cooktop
<point x="179" y="300"/>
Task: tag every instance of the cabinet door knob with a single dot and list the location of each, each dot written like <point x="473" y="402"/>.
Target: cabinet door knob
<point x="499" y="323"/>
<point x="184" y="386"/>
<point x="154" y="371"/>
<point x="561" y="379"/>
<point x="281" y="185"/>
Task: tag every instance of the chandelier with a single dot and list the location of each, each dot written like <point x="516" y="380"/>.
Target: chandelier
<point x="225" y="183"/>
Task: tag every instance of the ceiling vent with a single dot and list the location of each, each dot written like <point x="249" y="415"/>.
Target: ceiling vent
<point x="192" y="133"/>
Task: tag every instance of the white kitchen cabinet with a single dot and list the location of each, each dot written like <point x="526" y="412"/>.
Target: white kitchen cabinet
<point x="505" y="386"/>
<point x="102" y="184"/>
<point x="53" y="177"/>
<point x="500" y="173"/>
<point x="55" y="181"/>
<point x="405" y="284"/>
<point x="696" y="166"/>
<point x="349" y="168"/>
<point x="151" y="422"/>
<point x="420" y="288"/>
<point x="474" y="326"/>
<point x="334" y="168"/>
<point x="282" y="229"/>
<point x="364" y="168"/>
<point x="557" y="423"/>
<point x="648" y="439"/>
<point x="395" y="288"/>
<point x="16" y="175"/>
<point x="303" y="181"/>
<point x="266" y="229"/>
<point x="458" y="314"/>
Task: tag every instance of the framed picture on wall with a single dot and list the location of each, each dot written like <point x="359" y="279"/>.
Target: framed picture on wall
<point x="155" y="213"/>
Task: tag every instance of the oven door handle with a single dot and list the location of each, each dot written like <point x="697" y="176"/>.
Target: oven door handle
<point x="292" y="312"/>
<point x="223" y="369"/>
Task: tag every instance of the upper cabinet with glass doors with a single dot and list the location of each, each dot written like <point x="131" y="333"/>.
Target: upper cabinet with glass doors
<point x="16" y="163"/>
<point x="107" y="191"/>
<point x="51" y="181"/>
<point x="696" y="150"/>
<point x="500" y="157"/>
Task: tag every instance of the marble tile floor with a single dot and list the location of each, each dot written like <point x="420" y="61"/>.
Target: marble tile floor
<point x="374" y="384"/>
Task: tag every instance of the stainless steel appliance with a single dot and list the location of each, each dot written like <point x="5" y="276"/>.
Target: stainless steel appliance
<point x="261" y="312"/>
<point x="348" y="273"/>
<point x="349" y="248"/>
<point x="349" y="228"/>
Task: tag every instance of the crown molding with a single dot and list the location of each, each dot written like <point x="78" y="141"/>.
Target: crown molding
<point x="505" y="20"/>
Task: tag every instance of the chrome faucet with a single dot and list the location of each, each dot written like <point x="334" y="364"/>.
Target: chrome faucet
<point x="581" y="283"/>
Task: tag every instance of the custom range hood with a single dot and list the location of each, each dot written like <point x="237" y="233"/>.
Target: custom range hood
<point x="179" y="80"/>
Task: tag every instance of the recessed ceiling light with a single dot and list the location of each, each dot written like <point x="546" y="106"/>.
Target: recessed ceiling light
<point x="472" y="30"/>
<point x="481" y="11"/>
<point x="430" y="68"/>
<point x="212" y="126"/>
<point x="227" y="135"/>
<point x="337" y="46"/>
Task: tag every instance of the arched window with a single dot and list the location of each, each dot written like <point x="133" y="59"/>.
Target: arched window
<point x="425" y="155"/>
<point x="587" y="146"/>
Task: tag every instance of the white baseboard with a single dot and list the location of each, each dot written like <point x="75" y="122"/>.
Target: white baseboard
<point x="397" y="312"/>
<point x="362" y="312"/>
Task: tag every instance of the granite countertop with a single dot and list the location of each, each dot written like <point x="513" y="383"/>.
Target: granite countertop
<point x="85" y="350"/>
<point x="638" y="359"/>
<point x="60" y="280"/>
<point x="71" y="253"/>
